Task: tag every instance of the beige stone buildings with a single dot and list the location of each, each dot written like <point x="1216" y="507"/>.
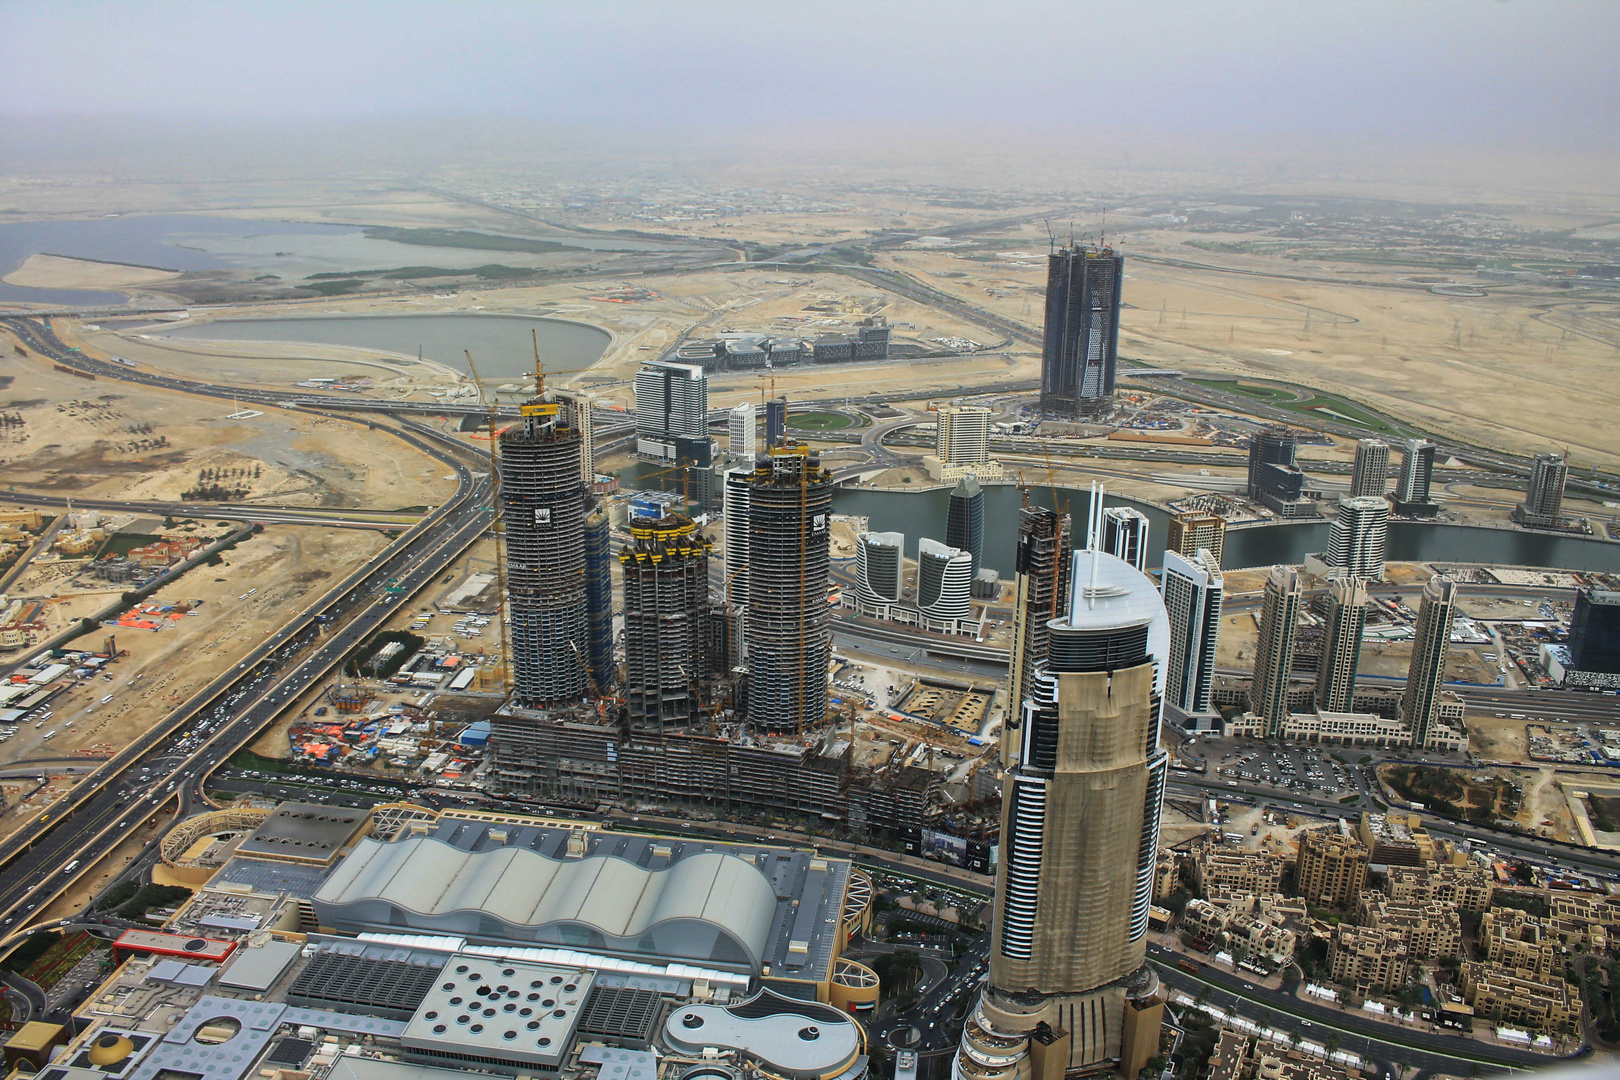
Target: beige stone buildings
<point x="1331" y="868"/>
<point x="1431" y="928"/>
<point x="1519" y="999"/>
<point x="1257" y="873"/>
<point x="1238" y="1056"/>
<point x="1371" y="961"/>
<point x="1468" y="887"/>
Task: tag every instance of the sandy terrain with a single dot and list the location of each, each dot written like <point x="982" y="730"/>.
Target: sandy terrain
<point x="288" y="565"/>
<point x="757" y="300"/>
<point x="1513" y="369"/>
<point x="56" y="272"/>
<point x="107" y="439"/>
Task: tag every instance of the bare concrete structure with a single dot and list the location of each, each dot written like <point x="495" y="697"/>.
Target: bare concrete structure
<point x="789" y="637"/>
<point x="542" y="496"/>
<point x="666" y="586"/>
<point x="1069" y="989"/>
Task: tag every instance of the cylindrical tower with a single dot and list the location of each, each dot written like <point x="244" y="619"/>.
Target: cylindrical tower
<point x="788" y="621"/>
<point x="543" y="503"/>
<point x="666" y="586"/>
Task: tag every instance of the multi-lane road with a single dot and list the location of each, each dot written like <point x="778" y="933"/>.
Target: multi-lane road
<point x="168" y="763"/>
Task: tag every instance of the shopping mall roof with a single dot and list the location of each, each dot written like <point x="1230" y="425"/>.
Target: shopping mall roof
<point x="744" y="908"/>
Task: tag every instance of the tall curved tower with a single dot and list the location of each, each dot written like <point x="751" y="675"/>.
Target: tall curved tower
<point x="542" y="497"/>
<point x="789" y="631"/>
<point x="666" y="591"/>
<point x="1069" y="987"/>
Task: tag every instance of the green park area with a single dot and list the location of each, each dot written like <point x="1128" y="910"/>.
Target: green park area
<point x="1317" y="406"/>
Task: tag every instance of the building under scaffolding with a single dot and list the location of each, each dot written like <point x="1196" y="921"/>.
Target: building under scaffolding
<point x="599" y="597"/>
<point x="543" y="503"/>
<point x="788" y="621"/>
<point x="666" y="584"/>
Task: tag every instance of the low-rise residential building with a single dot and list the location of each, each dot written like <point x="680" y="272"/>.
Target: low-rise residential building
<point x="1583" y="907"/>
<point x="1239" y="1056"/>
<point x="1468" y="887"/>
<point x="1203" y="922"/>
<point x="1368" y="959"/>
<point x="1516" y="939"/>
<point x="1432" y="927"/>
<point x="1331" y="868"/>
<point x="1514" y="997"/>
<point x="1251" y="872"/>
<point x="1320" y="727"/>
<point x="1166" y="875"/>
<point x="1261" y="937"/>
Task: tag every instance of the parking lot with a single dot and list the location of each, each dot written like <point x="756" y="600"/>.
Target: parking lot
<point x="1315" y="771"/>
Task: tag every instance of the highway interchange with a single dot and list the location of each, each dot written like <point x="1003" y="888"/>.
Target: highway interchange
<point x="171" y="763"/>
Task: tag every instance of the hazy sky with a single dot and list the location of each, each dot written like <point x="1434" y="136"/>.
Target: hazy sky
<point x="1484" y="71"/>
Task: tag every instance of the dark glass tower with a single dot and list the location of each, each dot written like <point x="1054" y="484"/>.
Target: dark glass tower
<point x="1594" y="632"/>
<point x="964" y="519"/>
<point x="1269" y="446"/>
<point x="1081" y="349"/>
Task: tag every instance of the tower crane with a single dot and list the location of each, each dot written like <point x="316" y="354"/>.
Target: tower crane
<point x="499" y="526"/>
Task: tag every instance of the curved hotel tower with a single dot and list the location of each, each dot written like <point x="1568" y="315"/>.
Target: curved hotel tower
<point x="1069" y="989"/>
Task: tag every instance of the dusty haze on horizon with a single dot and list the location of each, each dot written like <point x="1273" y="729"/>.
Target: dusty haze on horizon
<point x="1145" y="85"/>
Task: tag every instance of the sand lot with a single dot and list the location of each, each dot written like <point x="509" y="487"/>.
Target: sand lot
<point x="107" y="439"/>
<point x="288" y="565"/>
<point x="56" y="272"/>
<point x="1514" y="369"/>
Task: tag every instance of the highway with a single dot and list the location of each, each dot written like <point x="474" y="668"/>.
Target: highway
<point x="332" y="516"/>
<point x="240" y="703"/>
<point x="44" y="858"/>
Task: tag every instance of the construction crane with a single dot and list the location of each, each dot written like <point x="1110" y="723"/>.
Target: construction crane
<point x="499" y="526"/>
<point x="682" y="466"/>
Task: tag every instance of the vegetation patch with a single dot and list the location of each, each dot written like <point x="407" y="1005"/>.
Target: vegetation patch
<point x="1447" y="792"/>
<point x="1272" y="394"/>
<point x="149" y="897"/>
<point x="464" y="238"/>
<point x="333" y="286"/>
<point x="366" y="661"/>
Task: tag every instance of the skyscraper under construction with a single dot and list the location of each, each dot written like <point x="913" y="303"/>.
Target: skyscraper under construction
<point x="542" y="495"/>
<point x="788" y="624"/>
<point x="1081" y="348"/>
<point x="666" y="585"/>
<point x="1042" y="566"/>
<point x="1069" y="990"/>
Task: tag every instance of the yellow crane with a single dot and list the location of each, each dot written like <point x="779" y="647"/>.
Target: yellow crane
<point x="499" y="526"/>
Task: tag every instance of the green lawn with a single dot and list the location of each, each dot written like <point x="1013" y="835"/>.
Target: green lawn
<point x="819" y="421"/>
<point x="1270" y="394"/>
<point x="1316" y="407"/>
